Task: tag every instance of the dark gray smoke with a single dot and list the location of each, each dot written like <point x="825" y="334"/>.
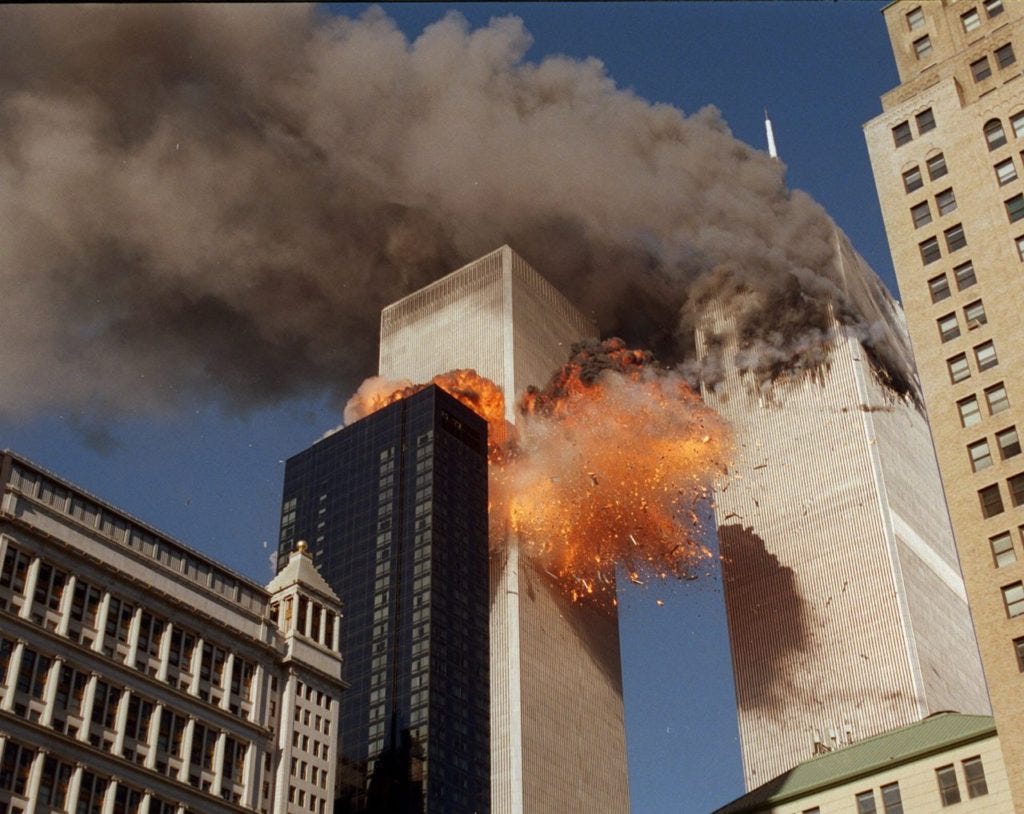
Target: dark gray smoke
<point x="216" y="201"/>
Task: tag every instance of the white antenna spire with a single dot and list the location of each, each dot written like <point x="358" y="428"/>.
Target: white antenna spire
<point x="771" y="136"/>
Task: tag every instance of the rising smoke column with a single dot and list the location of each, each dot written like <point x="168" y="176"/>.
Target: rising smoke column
<point x="215" y="202"/>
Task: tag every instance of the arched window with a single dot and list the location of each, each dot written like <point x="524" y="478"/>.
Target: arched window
<point x="994" y="134"/>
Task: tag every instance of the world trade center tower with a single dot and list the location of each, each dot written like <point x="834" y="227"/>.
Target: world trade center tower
<point x="557" y="721"/>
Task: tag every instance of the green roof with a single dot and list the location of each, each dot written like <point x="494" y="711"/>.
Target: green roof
<point x="936" y="733"/>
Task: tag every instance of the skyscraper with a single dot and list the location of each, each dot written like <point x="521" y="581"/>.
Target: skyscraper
<point x="946" y="156"/>
<point x="395" y="510"/>
<point x="557" y="721"/>
<point x="846" y="608"/>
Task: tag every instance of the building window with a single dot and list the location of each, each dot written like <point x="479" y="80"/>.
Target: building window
<point x="997" y="398"/>
<point x="1005" y="172"/>
<point x="901" y="134"/>
<point x="866" y="802"/>
<point x="949" y="328"/>
<point x="936" y="166"/>
<point x="1015" y="207"/>
<point x="985" y="356"/>
<point x="915" y="18"/>
<point x="975" y="313"/>
<point x="1017" y="123"/>
<point x="980" y="69"/>
<point x="1018" y="649"/>
<point x="1016" y="484"/>
<point x="929" y="250"/>
<point x="939" y="288"/>
<point x="1003" y="553"/>
<point x="945" y="201"/>
<point x="949" y="789"/>
<point x="993" y="8"/>
<point x="892" y="803"/>
<point x="922" y="46"/>
<point x="980" y="455"/>
<point x="971" y="20"/>
<point x="1008" y="442"/>
<point x="926" y="118"/>
<point x="964" y="274"/>
<point x="955" y="238"/>
<point x="991" y="501"/>
<point x="1020" y="246"/>
<point x="912" y="179"/>
<point x="921" y="214"/>
<point x="970" y="414"/>
<point x="1013" y="598"/>
<point x="959" y="370"/>
<point x="1005" y="56"/>
<point x="994" y="134"/>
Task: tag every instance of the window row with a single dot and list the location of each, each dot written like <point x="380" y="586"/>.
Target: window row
<point x="118" y="528"/>
<point x="991" y="497"/>
<point x="964" y="276"/>
<point x="974" y="780"/>
<point x="921" y="214"/>
<point x="995" y="135"/>
<point x="955" y="240"/>
<point x="970" y="409"/>
<point x="971" y="20"/>
<point x="974" y="316"/>
<point x="124" y="631"/>
<point x="925" y="121"/>
<point x="1003" y="57"/>
<point x="892" y="801"/>
<point x="935" y="166"/>
<point x="980" y="452"/>
<point x="960" y="369"/>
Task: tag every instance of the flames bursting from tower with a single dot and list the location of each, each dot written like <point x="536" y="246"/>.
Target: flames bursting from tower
<point x="605" y="470"/>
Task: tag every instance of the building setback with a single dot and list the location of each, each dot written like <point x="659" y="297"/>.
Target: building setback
<point x="946" y="156"/>
<point x="395" y="509"/>
<point x="138" y="675"/>
<point x="846" y="607"/>
<point x="557" y="722"/>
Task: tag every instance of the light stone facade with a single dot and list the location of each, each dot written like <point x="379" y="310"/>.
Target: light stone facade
<point x="138" y="675"/>
<point x="965" y="771"/>
<point x="557" y="719"/>
<point x="846" y="607"/>
<point x="960" y="68"/>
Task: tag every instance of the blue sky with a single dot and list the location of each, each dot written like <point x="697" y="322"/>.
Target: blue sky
<point x="213" y="479"/>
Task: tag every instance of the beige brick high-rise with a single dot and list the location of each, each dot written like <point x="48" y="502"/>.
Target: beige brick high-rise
<point x="947" y="159"/>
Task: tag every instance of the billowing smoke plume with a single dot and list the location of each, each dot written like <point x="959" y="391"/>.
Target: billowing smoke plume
<point x="215" y="202"/>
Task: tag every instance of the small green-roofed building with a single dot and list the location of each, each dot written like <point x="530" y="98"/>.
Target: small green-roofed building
<point x="946" y="759"/>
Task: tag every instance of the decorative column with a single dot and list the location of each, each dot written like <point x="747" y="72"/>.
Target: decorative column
<point x="88" y="700"/>
<point x="121" y="721"/>
<point x="13" y="668"/>
<point x="31" y="578"/>
<point x="153" y="736"/>
<point x="66" y="601"/>
<point x="165" y="652"/>
<point x="186" y="750"/>
<point x="218" y="764"/>
<point x="101" y="621"/>
<point x="133" y="637"/>
<point x="74" y="788"/>
<point x="50" y="694"/>
<point x="35" y="776"/>
<point x="225" y="681"/>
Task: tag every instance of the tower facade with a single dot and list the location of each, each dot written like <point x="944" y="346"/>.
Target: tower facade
<point x="394" y="508"/>
<point x="946" y="156"/>
<point x="557" y="720"/>
<point x="845" y="603"/>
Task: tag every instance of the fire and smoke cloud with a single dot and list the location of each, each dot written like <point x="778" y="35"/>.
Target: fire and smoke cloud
<point x="215" y="202"/>
<point x="605" y="469"/>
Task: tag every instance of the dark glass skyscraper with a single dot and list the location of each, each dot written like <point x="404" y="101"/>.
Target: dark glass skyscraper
<point x="394" y="509"/>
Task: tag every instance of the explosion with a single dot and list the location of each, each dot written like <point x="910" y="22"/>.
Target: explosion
<point x="605" y="470"/>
